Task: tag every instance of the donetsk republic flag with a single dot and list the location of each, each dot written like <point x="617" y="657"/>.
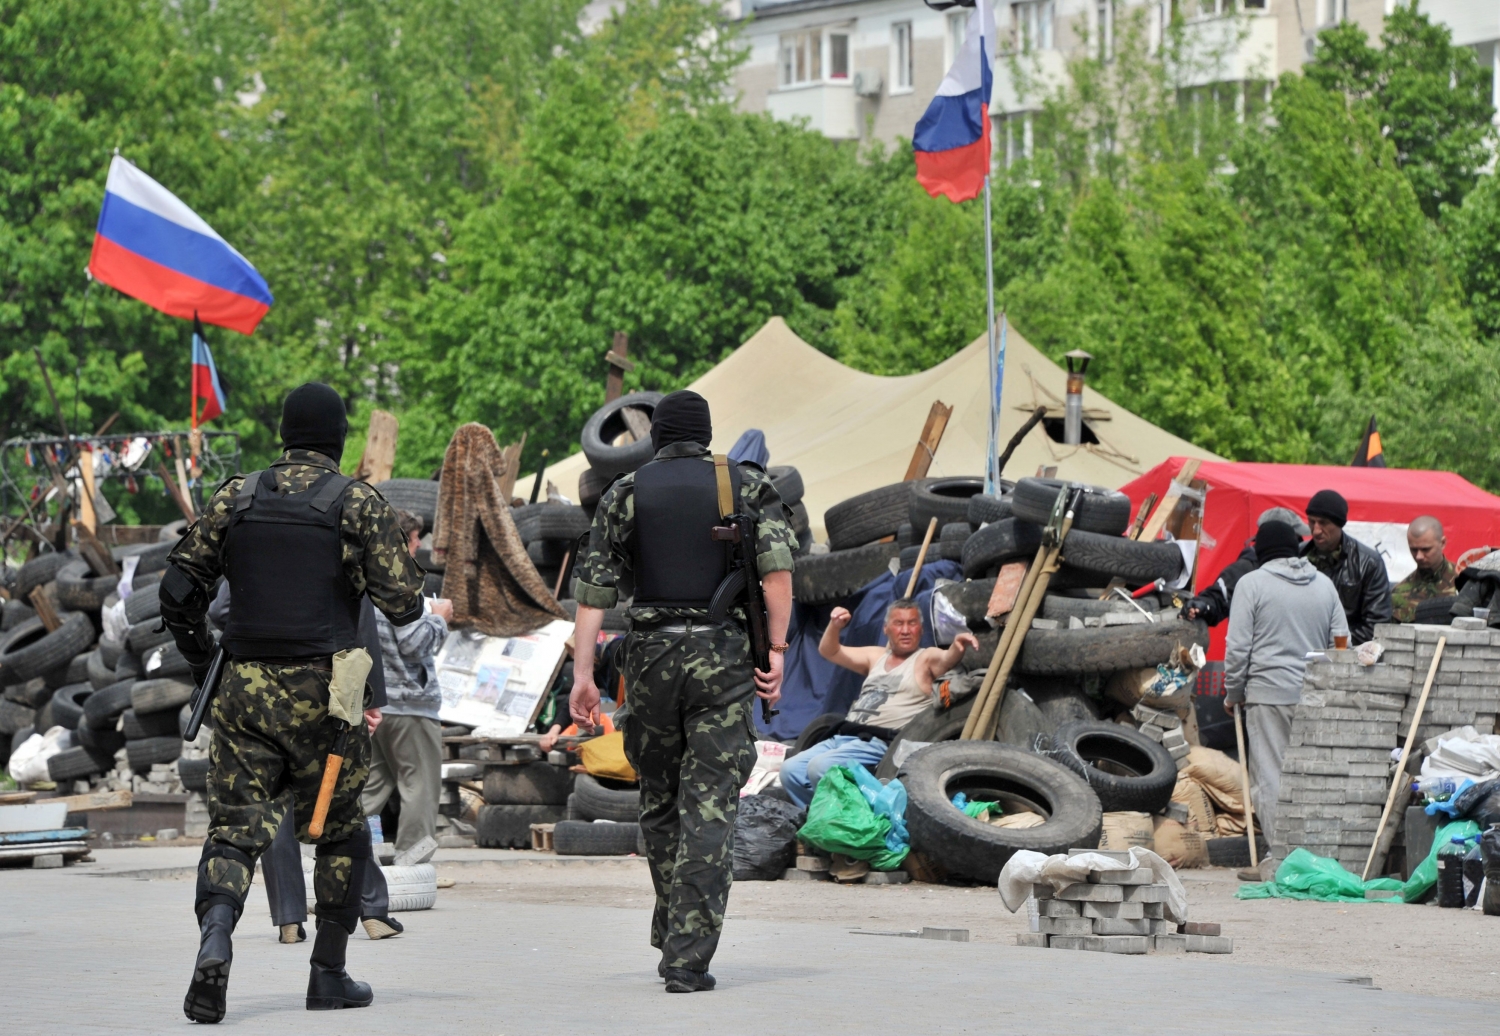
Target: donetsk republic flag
<point x="152" y="247"/>
<point x="952" y="140"/>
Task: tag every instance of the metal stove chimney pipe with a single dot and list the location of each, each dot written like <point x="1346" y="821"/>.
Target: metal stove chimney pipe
<point x="1078" y="364"/>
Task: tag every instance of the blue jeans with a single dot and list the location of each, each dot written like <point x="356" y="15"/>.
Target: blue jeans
<point x="801" y="773"/>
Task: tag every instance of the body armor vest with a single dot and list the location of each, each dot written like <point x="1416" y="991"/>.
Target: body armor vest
<point x="677" y="564"/>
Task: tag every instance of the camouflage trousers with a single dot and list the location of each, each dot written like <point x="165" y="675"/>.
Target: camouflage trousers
<point x="271" y="738"/>
<point x="690" y="736"/>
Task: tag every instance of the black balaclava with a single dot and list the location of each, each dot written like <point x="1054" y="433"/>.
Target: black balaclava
<point x="681" y="416"/>
<point x="313" y="418"/>
<point x="1276" y="540"/>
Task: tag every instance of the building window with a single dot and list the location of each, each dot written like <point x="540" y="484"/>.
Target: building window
<point x="901" y="51"/>
<point x="1104" y="30"/>
<point x="1033" y="26"/>
<point x="802" y="57"/>
<point x="958" y="24"/>
<point x="838" y="56"/>
<point x="1331" y="12"/>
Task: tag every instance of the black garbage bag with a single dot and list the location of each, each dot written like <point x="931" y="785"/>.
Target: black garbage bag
<point x="765" y="837"/>
<point x="1479" y="803"/>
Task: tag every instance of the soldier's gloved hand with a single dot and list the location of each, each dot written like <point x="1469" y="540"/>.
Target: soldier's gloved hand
<point x="1194" y="608"/>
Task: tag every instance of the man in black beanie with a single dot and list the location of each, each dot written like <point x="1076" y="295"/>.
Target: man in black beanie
<point x="300" y="545"/>
<point x="1279" y="612"/>
<point x="1358" y="571"/>
<point x="691" y="683"/>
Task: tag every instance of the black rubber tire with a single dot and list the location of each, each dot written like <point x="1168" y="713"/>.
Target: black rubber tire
<point x="67" y="704"/>
<point x="509" y="827"/>
<point x="165" y="661"/>
<point x="128" y="667"/>
<point x="45" y="721"/>
<point x="1435" y="611"/>
<point x="1062" y="700"/>
<point x="531" y="784"/>
<point x="985" y="509"/>
<point x="908" y="556"/>
<point x="605" y="424"/>
<point x="971" y="598"/>
<point x="950" y="545"/>
<point x="1105" y="511"/>
<point x="193" y="773"/>
<point x="904" y="536"/>
<point x="946" y="499"/>
<point x="1234" y="850"/>
<point x="867" y="517"/>
<point x="788" y="483"/>
<point x="550" y="522"/>
<point x="110" y="652"/>
<point x="818" y="730"/>
<point x="801" y="523"/>
<point x="417" y="495"/>
<point x="39" y="571"/>
<point x="593" y="800"/>
<point x="152" y="556"/>
<point x="144" y="636"/>
<point x="105" y="705"/>
<point x="143" y="754"/>
<point x="172" y="531"/>
<point x="72" y="763"/>
<point x="29" y="650"/>
<point x="591" y="486"/>
<point x="137" y="726"/>
<point x="14" y="716"/>
<point x="931" y="725"/>
<point x="1055" y="606"/>
<point x="987" y="771"/>
<point x="76" y="671"/>
<point x="1115" y="557"/>
<point x="99" y="674"/>
<point x="80" y="590"/>
<point x="1141" y="772"/>
<point x="106" y="742"/>
<point x="582" y="838"/>
<point x="160" y="695"/>
<point x="1064" y="652"/>
<point x="823" y="578"/>
<point x="992" y="546"/>
<point x="33" y="694"/>
<point x="143" y="604"/>
<point x="16" y="612"/>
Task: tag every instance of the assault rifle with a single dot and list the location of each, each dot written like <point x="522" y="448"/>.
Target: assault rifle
<point x="742" y="585"/>
<point x="203" y="694"/>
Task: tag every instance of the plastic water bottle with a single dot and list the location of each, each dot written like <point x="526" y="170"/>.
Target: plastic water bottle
<point x="1450" y="877"/>
<point x="1473" y="875"/>
<point x="1436" y="788"/>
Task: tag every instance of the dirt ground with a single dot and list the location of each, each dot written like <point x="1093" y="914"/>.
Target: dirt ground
<point x="1413" y="949"/>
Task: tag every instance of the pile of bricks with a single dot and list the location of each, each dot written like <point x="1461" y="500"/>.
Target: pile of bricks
<point x="1116" y="911"/>
<point x="1466" y="689"/>
<point x="1164" y="726"/>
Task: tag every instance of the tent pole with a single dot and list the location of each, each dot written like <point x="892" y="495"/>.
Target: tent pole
<point x="997" y="354"/>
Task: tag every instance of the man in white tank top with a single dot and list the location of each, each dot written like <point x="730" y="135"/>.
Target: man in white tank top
<point x="897" y="687"/>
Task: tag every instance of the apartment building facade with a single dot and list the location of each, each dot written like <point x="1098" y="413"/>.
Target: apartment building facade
<point x="864" y="70"/>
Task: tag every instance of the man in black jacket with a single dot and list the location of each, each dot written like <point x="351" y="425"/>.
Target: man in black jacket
<point x="1212" y="605"/>
<point x="1357" y="570"/>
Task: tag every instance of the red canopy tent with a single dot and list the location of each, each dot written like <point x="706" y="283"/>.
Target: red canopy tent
<point x="1239" y="492"/>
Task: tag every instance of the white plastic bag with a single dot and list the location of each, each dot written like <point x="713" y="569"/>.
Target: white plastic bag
<point x="29" y="762"/>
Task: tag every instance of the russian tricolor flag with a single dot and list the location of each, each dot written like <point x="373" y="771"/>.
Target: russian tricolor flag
<point x="952" y="141"/>
<point x="154" y="248"/>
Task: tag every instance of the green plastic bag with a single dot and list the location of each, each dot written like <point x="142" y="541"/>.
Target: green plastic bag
<point x="1425" y="876"/>
<point x="1302" y="875"/>
<point x="840" y="820"/>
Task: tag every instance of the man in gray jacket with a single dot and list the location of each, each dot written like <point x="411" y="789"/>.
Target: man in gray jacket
<point x="1279" y="612"/>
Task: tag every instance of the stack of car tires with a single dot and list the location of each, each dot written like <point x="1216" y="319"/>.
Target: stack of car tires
<point x="603" y="819"/>
<point x="517" y="796"/>
<point x="420" y="497"/>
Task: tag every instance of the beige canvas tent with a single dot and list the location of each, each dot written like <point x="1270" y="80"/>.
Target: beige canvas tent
<point x="848" y="432"/>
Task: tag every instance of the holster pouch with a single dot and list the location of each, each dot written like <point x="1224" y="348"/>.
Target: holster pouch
<point x="346" y="689"/>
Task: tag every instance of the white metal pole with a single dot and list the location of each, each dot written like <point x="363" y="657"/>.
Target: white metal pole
<point x="997" y="360"/>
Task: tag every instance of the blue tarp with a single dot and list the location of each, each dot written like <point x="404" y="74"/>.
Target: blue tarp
<point x="811" y="685"/>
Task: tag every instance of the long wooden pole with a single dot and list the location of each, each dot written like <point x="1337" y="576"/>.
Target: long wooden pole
<point x="1411" y="737"/>
<point x="1022" y="596"/>
<point x="916" y="570"/>
<point x="1239" y="737"/>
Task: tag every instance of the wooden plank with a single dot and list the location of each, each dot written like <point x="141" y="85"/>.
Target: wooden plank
<point x="637" y="421"/>
<point x="95" y="800"/>
<point x="379" y="458"/>
<point x="177" y="498"/>
<point x="1007" y="586"/>
<point x="510" y="467"/>
<point x="86" y="516"/>
<point x="1134" y="532"/>
<point x="1169" y="500"/>
<point x="614" y="383"/>
<point x="101" y="561"/>
<point x="927" y="442"/>
<point x="182" y="485"/>
<point x="44" y="608"/>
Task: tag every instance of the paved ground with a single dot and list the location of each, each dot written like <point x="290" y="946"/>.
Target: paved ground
<point x="518" y="947"/>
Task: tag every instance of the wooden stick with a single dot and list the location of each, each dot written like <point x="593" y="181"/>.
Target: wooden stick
<point x="984" y="728"/>
<point x="86" y="516"/>
<point x="182" y="482"/>
<point x="911" y="584"/>
<point x="1239" y="737"/>
<point x="1015" y="440"/>
<point x="182" y="505"/>
<point x="44" y="609"/>
<point x="1134" y="532"/>
<point x="1411" y="736"/>
<point x="1169" y="499"/>
<point x="1022" y="596"/>
<point x="1387" y="836"/>
<point x="325" y="794"/>
<point x="927" y="443"/>
<point x="562" y="572"/>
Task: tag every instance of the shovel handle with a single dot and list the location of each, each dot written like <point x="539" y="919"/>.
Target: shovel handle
<point x="325" y="794"/>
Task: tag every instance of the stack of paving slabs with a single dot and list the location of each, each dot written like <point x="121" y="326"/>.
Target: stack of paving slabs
<point x="1115" y="911"/>
<point x="1164" y="726"/>
<point x="1466" y="691"/>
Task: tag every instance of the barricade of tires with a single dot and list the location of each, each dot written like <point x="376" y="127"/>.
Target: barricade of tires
<point x="119" y="697"/>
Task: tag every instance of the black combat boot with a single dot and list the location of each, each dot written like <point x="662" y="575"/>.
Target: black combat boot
<point x="330" y="987"/>
<point x="681" y="980"/>
<point x="209" y="990"/>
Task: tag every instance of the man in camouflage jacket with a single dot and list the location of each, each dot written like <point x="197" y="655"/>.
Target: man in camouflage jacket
<point x="272" y="731"/>
<point x="690" y="683"/>
<point x="1435" y="574"/>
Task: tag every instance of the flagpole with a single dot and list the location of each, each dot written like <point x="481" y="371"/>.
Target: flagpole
<point x="997" y="354"/>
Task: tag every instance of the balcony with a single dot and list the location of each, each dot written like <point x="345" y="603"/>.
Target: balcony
<point x="829" y="107"/>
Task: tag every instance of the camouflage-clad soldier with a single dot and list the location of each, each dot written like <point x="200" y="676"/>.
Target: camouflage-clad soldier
<point x="691" y="685"/>
<point x="300" y="545"/>
<point x="1435" y="574"/>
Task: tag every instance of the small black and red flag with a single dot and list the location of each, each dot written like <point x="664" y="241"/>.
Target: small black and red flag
<point x="1370" y="454"/>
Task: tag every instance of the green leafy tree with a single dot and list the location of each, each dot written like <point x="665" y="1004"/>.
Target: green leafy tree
<point x="1474" y="239"/>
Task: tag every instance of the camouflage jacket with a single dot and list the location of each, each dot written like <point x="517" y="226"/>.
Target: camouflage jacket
<point x="375" y="557"/>
<point x="1422" y="586"/>
<point x="606" y="570"/>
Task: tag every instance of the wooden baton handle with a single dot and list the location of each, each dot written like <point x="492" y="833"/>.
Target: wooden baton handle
<point x="325" y="794"/>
